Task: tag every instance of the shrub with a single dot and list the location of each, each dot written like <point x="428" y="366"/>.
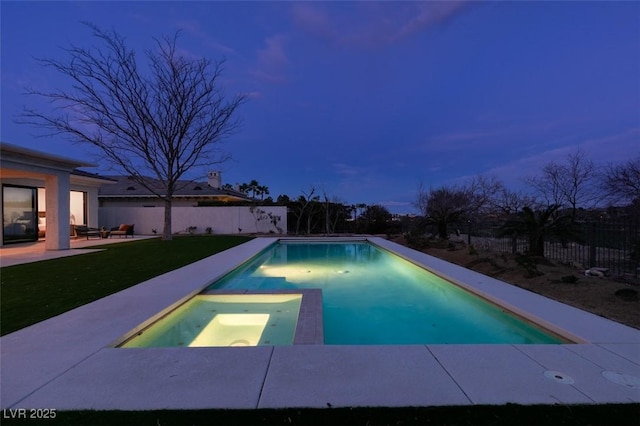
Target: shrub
<point x="530" y="264"/>
<point x="569" y="279"/>
<point x="627" y="294"/>
<point x="417" y="241"/>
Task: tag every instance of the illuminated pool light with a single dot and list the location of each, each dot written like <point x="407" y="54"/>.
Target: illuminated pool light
<point x="232" y="330"/>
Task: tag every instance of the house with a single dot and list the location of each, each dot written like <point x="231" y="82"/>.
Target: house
<point x="43" y="194"/>
<point x="197" y="207"/>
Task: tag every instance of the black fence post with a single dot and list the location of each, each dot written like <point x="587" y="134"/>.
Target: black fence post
<point x="634" y="247"/>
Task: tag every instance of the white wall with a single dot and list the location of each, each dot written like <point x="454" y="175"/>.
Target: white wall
<point x="222" y="220"/>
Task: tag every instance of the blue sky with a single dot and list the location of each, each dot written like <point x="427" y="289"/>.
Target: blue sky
<point x="365" y="100"/>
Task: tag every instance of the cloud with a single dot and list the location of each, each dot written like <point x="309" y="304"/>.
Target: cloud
<point x="253" y="95"/>
<point x="368" y="184"/>
<point x="612" y="148"/>
<point x="193" y="28"/>
<point x="430" y="14"/>
<point x="453" y="141"/>
<point x="345" y="170"/>
<point x="495" y="135"/>
<point x="272" y="60"/>
<point x="371" y="24"/>
<point x="392" y="203"/>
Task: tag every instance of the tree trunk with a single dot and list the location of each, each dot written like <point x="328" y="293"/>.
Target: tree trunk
<point x="536" y="246"/>
<point x="166" y="230"/>
<point x="298" y="220"/>
<point x="442" y="230"/>
<point x="326" y="217"/>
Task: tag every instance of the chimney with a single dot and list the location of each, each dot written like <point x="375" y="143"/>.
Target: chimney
<point x="215" y="179"/>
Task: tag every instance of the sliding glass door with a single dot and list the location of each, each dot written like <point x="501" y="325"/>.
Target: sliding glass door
<point x="19" y="213"/>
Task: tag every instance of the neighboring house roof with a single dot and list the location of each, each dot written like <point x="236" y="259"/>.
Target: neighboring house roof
<point x="126" y="187"/>
<point x="94" y="179"/>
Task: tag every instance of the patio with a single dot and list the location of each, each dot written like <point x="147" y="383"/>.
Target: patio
<point x="17" y="254"/>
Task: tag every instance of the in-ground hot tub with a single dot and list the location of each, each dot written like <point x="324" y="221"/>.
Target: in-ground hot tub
<point x="238" y="318"/>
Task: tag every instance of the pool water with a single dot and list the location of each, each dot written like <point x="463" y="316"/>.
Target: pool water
<point x="371" y="296"/>
<point x="225" y="320"/>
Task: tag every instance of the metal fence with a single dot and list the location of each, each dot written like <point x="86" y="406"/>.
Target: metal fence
<point x="602" y="244"/>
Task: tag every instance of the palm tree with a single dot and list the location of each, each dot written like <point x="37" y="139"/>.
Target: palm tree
<point x="263" y="190"/>
<point x="537" y="225"/>
<point x="253" y="187"/>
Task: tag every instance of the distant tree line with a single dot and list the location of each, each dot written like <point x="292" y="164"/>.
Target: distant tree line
<point x="552" y="205"/>
<point x="314" y="213"/>
<point x="558" y="199"/>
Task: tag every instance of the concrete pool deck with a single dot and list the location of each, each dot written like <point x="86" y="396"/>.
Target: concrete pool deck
<point x="68" y="362"/>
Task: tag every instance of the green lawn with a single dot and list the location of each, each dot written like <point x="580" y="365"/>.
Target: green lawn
<point x="33" y="292"/>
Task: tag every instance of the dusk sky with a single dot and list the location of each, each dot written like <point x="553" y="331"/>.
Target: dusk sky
<point x="365" y="100"/>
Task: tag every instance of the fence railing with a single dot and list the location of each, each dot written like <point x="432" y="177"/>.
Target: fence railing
<point x="602" y="244"/>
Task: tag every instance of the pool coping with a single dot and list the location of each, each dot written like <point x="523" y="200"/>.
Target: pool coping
<point x="68" y="361"/>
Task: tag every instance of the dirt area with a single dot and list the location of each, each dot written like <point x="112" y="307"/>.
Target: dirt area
<point x="615" y="298"/>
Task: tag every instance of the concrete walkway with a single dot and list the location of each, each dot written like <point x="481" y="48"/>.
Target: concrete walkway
<point x="18" y="254"/>
<point x="69" y="362"/>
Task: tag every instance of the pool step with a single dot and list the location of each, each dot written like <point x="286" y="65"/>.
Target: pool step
<point x="258" y="283"/>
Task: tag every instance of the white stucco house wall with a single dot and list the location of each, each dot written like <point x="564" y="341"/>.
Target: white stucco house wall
<point x="197" y="207"/>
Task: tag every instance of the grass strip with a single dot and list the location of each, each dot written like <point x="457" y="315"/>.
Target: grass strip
<point x="509" y="414"/>
<point x="33" y="292"/>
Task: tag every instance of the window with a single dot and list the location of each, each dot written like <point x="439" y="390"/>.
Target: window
<point x="19" y="214"/>
<point x="77" y="206"/>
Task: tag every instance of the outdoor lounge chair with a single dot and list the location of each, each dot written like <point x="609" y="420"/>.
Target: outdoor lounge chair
<point x="121" y="230"/>
<point x="85" y="231"/>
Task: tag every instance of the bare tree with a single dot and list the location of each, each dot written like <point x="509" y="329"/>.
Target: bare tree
<point x="570" y="184"/>
<point x="334" y="211"/>
<point x="482" y="191"/>
<point x="621" y="182"/>
<point x="162" y="123"/>
<point x="450" y="204"/>
<point x="509" y="202"/>
<point x="443" y="206"/>
<point x="376" y="218"/>
<point x="300" y="206"/>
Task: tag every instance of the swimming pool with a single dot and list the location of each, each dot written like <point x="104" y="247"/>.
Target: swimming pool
<point x="371" y="296"/>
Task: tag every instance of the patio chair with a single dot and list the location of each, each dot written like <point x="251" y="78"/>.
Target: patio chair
<point x="121" y="230"/>
<point x="85" y="231"/>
